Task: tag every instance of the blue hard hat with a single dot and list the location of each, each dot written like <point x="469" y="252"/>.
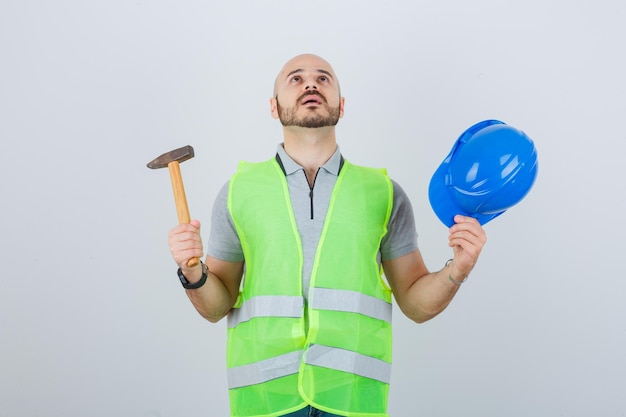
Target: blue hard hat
<point x="491" y="167"/>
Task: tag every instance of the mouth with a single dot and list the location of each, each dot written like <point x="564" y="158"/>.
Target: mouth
<point x="311" y="99"/>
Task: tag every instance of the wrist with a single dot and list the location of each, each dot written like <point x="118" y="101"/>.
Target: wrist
<point x="454" y="276"/>
<point x="196" y="278"/>
<point x="192" y="274"/>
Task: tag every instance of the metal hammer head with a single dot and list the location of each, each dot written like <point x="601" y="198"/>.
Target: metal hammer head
<point x="178" y="155"/>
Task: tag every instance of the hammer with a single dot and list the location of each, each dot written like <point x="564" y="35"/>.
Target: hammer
<point x="172" y="160"/>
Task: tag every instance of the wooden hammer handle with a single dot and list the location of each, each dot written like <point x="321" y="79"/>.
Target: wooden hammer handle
<point x="180" y="198"/>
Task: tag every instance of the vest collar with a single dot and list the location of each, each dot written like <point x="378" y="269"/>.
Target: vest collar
<point x="289" y="166"/>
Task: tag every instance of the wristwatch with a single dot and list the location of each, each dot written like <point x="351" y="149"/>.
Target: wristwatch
<point x="185" y="282"/>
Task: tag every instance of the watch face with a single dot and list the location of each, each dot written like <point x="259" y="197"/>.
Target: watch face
<point x="181" y="277"/>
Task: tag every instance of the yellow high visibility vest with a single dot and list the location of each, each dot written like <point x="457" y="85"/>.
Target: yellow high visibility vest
<point x="341" y="362"/>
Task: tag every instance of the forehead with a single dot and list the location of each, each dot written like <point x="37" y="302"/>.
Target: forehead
<point x="301" y="64"/>
<point x="306" y="63"/>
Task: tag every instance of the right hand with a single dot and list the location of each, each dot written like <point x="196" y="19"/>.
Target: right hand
<point x="185" y="243"/>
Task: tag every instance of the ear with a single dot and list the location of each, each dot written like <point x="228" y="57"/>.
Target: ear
<point x="342" y="102"/>
<point x="273" y="108"/>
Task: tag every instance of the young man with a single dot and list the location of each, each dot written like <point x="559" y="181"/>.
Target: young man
<point x="309" y="328"/>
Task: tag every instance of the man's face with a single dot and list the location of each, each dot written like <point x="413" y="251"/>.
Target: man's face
<point x="306" y="94"/>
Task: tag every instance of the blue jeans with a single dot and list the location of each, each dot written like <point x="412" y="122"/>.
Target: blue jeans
<point x="309" y="411"/>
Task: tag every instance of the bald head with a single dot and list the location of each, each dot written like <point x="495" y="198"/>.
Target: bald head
<point x="306" y="94"/>
<point x="301" y="63"/>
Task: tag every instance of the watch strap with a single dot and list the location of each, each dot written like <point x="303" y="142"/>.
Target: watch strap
<point x="185" y="282"/>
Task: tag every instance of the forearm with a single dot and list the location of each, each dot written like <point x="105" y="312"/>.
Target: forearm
<point x="216" y="297"/>
<point x="212" y="300"/>
<point x="431" y="294"/>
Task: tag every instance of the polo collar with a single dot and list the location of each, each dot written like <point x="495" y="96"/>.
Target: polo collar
<point x="289" y="166"/>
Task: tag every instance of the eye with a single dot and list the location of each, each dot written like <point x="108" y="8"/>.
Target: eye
<point x="295" y="79"/>
<point x="323" y="78"/>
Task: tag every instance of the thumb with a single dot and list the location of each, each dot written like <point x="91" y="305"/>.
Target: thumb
<point x="195" y="223"/>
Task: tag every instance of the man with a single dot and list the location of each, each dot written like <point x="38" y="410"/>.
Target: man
<point x="309" y="327"/>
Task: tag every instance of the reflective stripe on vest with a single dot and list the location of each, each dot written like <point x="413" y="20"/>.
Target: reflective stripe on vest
<point x="348" y="361"/>
<point x="351" y="302"/>
<point x="266" y="306"/>
<point x="263" y="371"/>
<point x="318" y="355"/>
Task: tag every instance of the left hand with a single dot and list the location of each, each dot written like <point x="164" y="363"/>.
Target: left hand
<point x="467" y="238"/>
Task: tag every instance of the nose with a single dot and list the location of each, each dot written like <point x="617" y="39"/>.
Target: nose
<point x="310" y="86"/>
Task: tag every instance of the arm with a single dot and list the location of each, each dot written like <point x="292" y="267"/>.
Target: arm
<point x="422" y="295"/>
<point x="218" y="295"/>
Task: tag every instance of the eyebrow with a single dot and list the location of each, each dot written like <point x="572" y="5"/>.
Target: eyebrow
<point x="322" y="71"/>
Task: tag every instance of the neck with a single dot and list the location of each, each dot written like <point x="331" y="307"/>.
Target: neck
<point x="310" y="147"/>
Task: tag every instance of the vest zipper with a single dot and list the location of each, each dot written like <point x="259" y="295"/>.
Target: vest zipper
<point x="311" y="190"/>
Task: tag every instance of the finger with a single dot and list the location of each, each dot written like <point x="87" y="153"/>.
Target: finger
<point x="470" y="235"/>
<point x="188" y="227"/>
<point x="459" y="218"/>
<point x="463" y="238"/>
<point x="185" y="242"/>
<point x="184" y="245"/>
<point x="472" y="227"/>
<point x="183" y="229"/>
<point x="467" y="245"/>
<point x="469" y="231"/>
<point x="184" y="250"/>
<point x="464" y="222"/>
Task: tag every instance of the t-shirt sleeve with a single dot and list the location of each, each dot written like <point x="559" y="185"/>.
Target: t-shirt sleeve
<point x="401" y="237"/>
<point x="223" y="241"/>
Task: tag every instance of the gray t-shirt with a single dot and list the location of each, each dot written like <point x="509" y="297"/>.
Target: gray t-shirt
<point x="310" y="205"/>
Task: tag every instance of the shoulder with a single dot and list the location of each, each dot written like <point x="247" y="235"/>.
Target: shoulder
<point x="399" y="195"/>
<point x="401" y="237"/>
<point x="402" y="210"/>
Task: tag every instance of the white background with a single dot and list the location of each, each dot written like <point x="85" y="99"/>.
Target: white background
<point x="93" y="321"/>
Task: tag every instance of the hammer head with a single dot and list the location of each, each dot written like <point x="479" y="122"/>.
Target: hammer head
<point x="178" y="155"/>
